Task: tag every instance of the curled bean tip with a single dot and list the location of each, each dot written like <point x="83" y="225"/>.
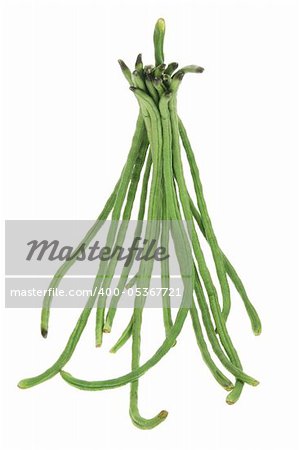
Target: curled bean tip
<point x="229" y="387"/>
<point x="257" y="331"/>
<point x="22" y="384"/>
<point x="160" y="24"/>
<point x="163" y="414"/>
<point x="139" y="59"/>
<point x="232" y="398"/>
<point x="106" y="329"/>
<point x="122" y="64"/>
<point x="65" y="375"/>
<point x="179" y="76"/>
<point x="44" y="332"/>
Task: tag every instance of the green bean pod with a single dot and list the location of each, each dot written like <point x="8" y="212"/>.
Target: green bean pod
<point x="159" y="34"/>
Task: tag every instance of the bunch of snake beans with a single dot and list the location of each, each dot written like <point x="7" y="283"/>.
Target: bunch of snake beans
<point x="166" y="213"/>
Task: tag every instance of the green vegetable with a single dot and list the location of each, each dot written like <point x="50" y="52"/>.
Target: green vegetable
<point x="171" y="213"/>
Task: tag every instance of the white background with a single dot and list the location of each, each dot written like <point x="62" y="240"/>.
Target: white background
<point x="68" y="117"/>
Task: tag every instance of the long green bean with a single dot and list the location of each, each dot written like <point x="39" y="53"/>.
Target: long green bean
<point x="165" y="274"/>
<point x="231" y="272"/>
<point x="125" y="336"/>
<point x="145" y="271"/>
